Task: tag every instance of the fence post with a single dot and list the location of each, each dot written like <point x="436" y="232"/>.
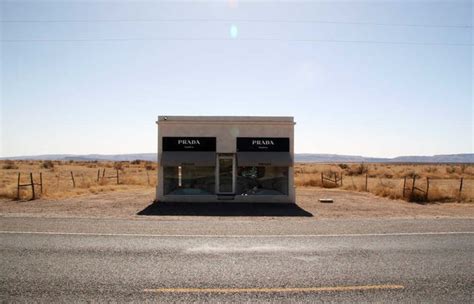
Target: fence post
<point x="41" y="182"/>
<point x="73" y="181"/>
<point x="413" y="186"/>
<point x="18" y="189"/>
<point x="103" y="173"/>
<point x="148" y="178"/>
<point x="341" y="179"/>
<point x="404" y="185"/>
<point x="117" y="176"/>
<point x="98" y="175"/>
<point x="32" y="186"/>
<point x="427" y="188"/>
<point x="366" y="181"/>
<point x="322" y="179"/>
<point x="460" y="188"/>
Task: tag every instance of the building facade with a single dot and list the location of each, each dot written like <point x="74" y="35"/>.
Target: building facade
<point x="224" y="158"/>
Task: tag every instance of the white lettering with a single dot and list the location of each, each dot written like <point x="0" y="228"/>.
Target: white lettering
<point x="188" y="142"/>
<point x="261" y="142"/>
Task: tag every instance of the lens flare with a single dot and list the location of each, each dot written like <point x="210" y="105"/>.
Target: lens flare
<point x="234" y="31"/>
<point x="233" y="4"/>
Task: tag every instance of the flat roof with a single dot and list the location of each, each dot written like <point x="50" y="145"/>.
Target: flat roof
<point x="226" y="119"/>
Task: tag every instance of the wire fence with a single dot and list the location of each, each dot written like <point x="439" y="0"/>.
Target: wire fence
<point x="411" y="188"/>
<point x="33" y="184"/>
<point x="29" y="180"/>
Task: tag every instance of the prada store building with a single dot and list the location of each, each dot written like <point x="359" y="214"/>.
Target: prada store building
<point x="225" y="158"/>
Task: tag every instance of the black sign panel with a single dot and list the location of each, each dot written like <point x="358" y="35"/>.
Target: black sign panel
<point x="263" y="144"/>
<point x="189" y="144"/>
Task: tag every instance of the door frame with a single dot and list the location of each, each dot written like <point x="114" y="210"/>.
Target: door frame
<point x="234" y="170"/>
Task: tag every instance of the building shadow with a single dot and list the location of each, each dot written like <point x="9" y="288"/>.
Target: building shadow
<point x="224" y="209"/>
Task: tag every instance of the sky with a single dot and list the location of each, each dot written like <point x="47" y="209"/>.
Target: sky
<point x="372" y="78"/>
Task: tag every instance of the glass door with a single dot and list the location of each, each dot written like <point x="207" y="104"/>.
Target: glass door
<point x="225" y="174"/>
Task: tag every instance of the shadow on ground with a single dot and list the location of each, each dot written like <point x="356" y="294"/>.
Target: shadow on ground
<point x="224" y="209"/>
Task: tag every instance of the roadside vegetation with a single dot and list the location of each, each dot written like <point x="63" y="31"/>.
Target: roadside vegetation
<point x="62" y="179"/>
<point x="387" y="180"/>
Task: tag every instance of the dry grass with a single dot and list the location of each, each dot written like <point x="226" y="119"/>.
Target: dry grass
<point x="57" y="180"/>
<point x="9" y="165"/>
<point x="386" y="180"/>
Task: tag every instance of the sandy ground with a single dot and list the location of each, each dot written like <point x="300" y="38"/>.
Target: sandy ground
<point x="127" y="204"/>
<point x="349" y="204"/>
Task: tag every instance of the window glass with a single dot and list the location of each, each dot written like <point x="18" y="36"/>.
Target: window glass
<point x="189" y="180"/>
<point x="262" y="180"/>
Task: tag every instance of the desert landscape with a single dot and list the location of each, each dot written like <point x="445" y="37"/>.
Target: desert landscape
<point x="63" y="179"/>
<point x="91" y="189"/>
<point x="388" y="179"/>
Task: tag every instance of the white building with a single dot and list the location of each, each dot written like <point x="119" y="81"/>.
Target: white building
<point x="225" y="158"/>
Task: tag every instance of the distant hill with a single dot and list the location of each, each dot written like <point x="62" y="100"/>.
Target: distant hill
<point x="305" y="157"/>
<point x="114" y="157"/>
<point x="449" y="158"/>
<point x="335" y="158"/>
<point x="88" y="157"/>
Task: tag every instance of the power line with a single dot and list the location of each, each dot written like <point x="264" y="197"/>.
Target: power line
<point x="240" y="39"/>
<point x="461" y="26"/>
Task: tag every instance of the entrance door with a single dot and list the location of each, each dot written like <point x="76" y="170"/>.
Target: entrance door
<point x="225" y="174"/>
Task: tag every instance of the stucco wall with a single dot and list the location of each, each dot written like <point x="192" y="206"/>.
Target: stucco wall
<point x="226" y="130"/>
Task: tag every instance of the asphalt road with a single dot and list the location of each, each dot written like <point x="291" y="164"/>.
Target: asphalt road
<point x="74" y="260"/>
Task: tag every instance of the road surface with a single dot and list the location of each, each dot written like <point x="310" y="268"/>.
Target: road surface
<point x="69" y="260"/>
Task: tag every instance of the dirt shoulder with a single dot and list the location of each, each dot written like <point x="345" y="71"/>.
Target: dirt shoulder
<point x="348" y="204"/>
<point x="128" y="204"/>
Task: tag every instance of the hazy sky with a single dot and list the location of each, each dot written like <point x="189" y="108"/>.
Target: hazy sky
<point x="374" y="78"/>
